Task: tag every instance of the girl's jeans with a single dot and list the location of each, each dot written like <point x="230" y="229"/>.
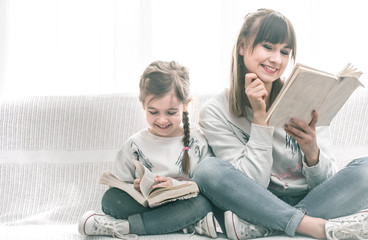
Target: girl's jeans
<point x="343" y="194"/>
<point x="171" y="217"/>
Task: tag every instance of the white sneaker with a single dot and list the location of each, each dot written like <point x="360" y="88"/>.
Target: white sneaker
<point x="92" y="224"/>
<point x="350" y="227"/>
<point x="237" y="228"/>
<point x="205" y="226"/>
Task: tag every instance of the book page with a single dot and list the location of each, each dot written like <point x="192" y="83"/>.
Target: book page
<point x="336" y="99"/>
<point x="350" y="71"/>
<point x="147" y="178"/>
<point x="168" y="194"/>
<point x="107" y="178"/>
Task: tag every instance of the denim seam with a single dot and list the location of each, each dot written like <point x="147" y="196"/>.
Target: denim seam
<point x="294" y="223"/>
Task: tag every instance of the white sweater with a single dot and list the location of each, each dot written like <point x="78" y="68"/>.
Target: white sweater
<point x="161" y="155"/>
<point x="266" y="154"/>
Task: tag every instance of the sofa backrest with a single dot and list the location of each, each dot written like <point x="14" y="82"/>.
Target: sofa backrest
<point x="53" y="149"/>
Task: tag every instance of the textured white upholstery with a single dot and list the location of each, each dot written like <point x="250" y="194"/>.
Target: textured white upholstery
<point x="53" y="150"/>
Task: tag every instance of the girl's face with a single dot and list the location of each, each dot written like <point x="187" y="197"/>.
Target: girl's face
<point x="164" y="115"/>
<point x="267" y="60"/>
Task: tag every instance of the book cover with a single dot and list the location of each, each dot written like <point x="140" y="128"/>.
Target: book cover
<point x="309" y="89"/>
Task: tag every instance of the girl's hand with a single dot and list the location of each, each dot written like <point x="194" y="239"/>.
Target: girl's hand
<point x="306" y="137"/>
<point x="136" y="184"/>
<point x="163" y="182"/>
<point x="256" y="91"/>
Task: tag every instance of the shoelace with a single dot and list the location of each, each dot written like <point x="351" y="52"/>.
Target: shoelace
<point x="186" y="231"/>
<point x="115" y="233"/>
<point x="195" y="228"/>
<point x="349" y="229"/>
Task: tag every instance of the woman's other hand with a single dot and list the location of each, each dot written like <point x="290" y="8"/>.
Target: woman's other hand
<point x="305" y="135"/>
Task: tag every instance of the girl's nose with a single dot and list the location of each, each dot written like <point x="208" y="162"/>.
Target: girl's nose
<point x="162" y="120"/>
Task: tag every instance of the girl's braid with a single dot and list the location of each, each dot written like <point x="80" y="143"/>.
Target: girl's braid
<point x="186" y="139"/>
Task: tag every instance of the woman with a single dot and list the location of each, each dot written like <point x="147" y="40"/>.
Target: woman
<point x="270" y="179"/>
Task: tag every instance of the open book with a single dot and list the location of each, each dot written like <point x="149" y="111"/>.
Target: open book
<point x="309" y="89"/>
<point x="149" y="196"/>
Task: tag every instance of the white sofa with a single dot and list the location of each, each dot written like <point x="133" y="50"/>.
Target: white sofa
<point x="54" y="148"/>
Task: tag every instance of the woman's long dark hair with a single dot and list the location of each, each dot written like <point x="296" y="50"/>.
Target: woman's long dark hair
<point x="262" y="25"/>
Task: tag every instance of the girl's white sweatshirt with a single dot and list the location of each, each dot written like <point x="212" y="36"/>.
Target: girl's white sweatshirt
<point x="161" y="155"/>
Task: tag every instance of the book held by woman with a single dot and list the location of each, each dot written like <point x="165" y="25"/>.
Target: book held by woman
<point x="309" y="89"/>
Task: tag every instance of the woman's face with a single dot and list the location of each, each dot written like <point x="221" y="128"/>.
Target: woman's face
<point x="267" y="60"/>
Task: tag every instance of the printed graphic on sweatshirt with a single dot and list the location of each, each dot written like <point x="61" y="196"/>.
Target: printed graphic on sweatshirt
<point x="193" y="147"/>
<point x="291" y="173"/>
<point x="292" y="144"/>
<point x="245" y="136"/>
<point x="139" y="155"/>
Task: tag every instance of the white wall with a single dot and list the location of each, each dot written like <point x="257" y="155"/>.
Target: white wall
<point x="63" y="47"/>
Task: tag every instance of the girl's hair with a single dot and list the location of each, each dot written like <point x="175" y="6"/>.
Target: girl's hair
<point x="262" y="25"/>
<point x="160" y="78"/>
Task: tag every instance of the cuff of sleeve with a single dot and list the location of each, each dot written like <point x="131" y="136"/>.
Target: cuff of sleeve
<point x="319" y="167"/>
<point x="261" y="135"/>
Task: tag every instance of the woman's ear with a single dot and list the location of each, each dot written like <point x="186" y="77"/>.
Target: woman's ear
<point x="242" y="48"/>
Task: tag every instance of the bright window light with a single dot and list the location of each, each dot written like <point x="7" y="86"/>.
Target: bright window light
<point x="72" y="47"/>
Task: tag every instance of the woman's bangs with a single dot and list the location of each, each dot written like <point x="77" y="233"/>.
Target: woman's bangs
<point x="274" y="29"/>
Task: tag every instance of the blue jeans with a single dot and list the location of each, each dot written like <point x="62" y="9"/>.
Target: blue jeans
<point x="343" y="194"/>
<point x="167" y="218"/>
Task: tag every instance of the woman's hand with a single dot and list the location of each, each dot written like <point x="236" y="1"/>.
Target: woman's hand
<point x="162" y="182"/>
<point x="257" y="94"/>
<point x="305" y="135"/>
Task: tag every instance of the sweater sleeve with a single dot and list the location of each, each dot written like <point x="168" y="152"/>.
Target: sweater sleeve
<point x="124" y="166"/>
<point x="253" y="156"/>
<point x="326" y="166"/>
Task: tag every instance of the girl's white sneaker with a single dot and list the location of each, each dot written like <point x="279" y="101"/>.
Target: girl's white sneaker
<point x="93" y="224"/>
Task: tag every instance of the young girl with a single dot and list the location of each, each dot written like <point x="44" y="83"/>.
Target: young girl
<point x="169" y="149"/>
<point x="270" y="179"/>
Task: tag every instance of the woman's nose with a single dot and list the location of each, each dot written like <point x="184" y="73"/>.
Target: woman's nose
<point x="276" y="57"/>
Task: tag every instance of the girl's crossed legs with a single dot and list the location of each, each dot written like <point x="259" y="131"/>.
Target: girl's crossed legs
<point x="168" y="218"/>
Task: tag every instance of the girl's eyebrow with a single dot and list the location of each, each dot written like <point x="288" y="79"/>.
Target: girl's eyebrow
<point x="173" y="109"/>
<point x="170" y="109"/>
